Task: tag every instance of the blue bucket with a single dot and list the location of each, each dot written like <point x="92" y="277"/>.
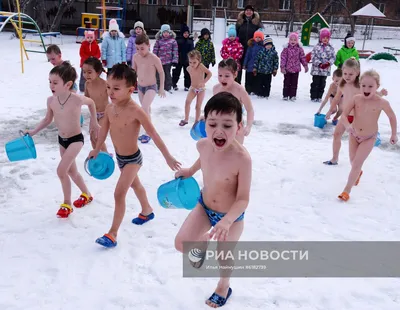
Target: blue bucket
<point x="21" y="149"/>
<point x="378" y="139"/>
<point x="198" y="130"/>
<point x="82" y="120"/>
<point x="319" y="120"/>
<point x="101" y="167"/>
<point x="179" y="194"/>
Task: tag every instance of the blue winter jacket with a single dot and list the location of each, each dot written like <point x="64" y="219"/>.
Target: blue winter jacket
<point x="113" y="49"/>
<point x="251" y="54"/>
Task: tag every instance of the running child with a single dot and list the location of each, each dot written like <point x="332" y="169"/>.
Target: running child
<point x="336" y="78"/>
<point x="367" y="108"/>
<point x="227" y="73"/>
<point x="65" y="107"/>
<point x="123" y="117"/>
<point x="197" y="88"/>
<point x="96" y="89"/>
<point x="146" y="64"/>
<point x="227" y="171"/>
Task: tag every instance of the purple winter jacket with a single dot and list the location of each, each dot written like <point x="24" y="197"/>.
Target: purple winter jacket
<point x="131" y="48"/>
<point x="166" y="49"/>
<point x="292" y="57"/>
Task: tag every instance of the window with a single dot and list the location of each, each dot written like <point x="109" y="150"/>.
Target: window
<point x="219" y="3"/>
<point x="284" y="4"/>
<point x="309" y="4"/>
<point x="152" y="2"/>
<point x="265" y="6"/>
<point x="381" y="7"/>
<point x="240" y="4"/>
<point x="175" y="2"/>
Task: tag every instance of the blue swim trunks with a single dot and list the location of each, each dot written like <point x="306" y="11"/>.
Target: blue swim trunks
<point x="214" y="216"/>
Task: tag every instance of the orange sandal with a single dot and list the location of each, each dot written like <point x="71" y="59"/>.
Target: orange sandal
<point x="344" y="196"/>
<point x="64" y="211"/>
<point x="358" y="179"/>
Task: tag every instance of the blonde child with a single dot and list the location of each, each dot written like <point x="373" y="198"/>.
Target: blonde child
<point x="89" y="48"/>
<point x="227" y="172"/>
<point x="197" y="89"/>
<point x="232" y="48"/>
<point x="336" y="78"/>
<point x="65" y="107"/>
<point x="123" y="118"/>
<point x="146" y="65"/>
<point x="96" y="89"/>
<point x="367" y="108"/>
<point x="113" y="48"/>
<point x="227" y="73"/>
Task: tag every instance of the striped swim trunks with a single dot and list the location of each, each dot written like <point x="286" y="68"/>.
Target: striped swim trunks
<point x="136" y="159"/>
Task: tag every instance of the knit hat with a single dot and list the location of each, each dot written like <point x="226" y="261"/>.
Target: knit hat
<point x="113" y="25"/>
<point x="184" y="28"/>
<point x="204" y="31"/>
<point x="324" y="33"/>
<point x="268" y="40"/>
<point x="138" y="24"/>
<point x="165" y="27"/>
<point x="89" y="33"/>
<point x="249" y="7"/>
<point x="232" y="31"/>
<point x="348" y="38"/>
<point x="258" y="34"/>
<point x="294" y="35"/>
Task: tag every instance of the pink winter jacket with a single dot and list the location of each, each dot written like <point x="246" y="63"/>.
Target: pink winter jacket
<point x="232" y="49"/>
<point x="292" y="57"/>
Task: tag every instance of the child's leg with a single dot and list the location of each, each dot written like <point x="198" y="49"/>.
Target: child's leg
<point x="286" y="85"/>
<point x="321" y="86"/>
<point x="67" y="159"/>
<point x="128" y="174"/>
<point x="223" y="285"/>
<point x="141" y="195"/>
<point x="294" y="78"/>
<point x="268" y="82"/>
<point x="76" y="177"/>
<point x="199" y="102"/>
<point x="168" y="78"/>
<point x="314" y="87"/>
<point x="82" y="82"/>
<point x="189" y="98"/>
<point x="176" y="72"/>
<point x="247" y="83"/>
<point x="337" y="143"/>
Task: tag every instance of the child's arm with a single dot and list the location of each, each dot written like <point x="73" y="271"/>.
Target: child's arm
<point x="151" y="131"/>
<point x="212" y="54"/>
<point x="156" y="47"/>
<point x="129" y="50"/>
<point x="221" y="229"/>
<point x="82" y="51"/>
<point x="160" y="70"/>
<point x="392" y="119"/>
<point x="206" y="71"/>
<point x="94" y="125"/>
<point x="104" y="47"/>
<point x="276" y="64"/>
<point x="240" y="51"/>
<point x="189" y="172"/>
<point x="45" y="122"/>
<point x="334" y="102"/>
<point x="250" y="111"/>
<point x="134" y="65"/>
<point x="223" y="52"/>
<point x="303" y="60"/>
<point x="86" y="91"/>
<point x="338" y="60"/>
<point x="102" y="135"/>
<point x="96" y="50"/>
<point x="246" y="58"/>
<point x="284" y="60"/>
<point x="323" y="103"/>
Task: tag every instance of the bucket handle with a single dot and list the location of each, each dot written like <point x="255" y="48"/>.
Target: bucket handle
<point x="22" y="134"/>
<point x="85" y="166"/>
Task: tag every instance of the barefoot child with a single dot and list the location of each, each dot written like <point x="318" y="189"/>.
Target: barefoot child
<point x="227" y="72"/>
<point x="227" y="168"/>
<point x="146" y="64"/>
<point x="197" y="89"/>
<point x="336" y="78"/>
<point x="367" y="108"/>
<point x="123" y="117"/>
<point x="65" y="107"/>
<point x="96" y="89"/>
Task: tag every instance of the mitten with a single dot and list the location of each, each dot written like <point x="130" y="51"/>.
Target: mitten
<point x="104" y="62"/>
<point x="129" y="63"/>
<point x="274" y="73"/>
<point x="254" y="72"/>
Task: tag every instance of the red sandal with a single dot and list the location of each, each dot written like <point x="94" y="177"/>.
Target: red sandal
<point x="64" y="211"/>
<point x="83" y="200"/>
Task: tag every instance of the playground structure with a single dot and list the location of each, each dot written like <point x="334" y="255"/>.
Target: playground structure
<point x="98" y="22"/>
<point x="307" y="27"/>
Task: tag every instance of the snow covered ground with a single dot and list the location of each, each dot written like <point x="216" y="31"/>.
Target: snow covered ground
<point x="47" y="263"/>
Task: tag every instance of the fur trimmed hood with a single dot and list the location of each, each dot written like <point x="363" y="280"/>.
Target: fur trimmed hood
<point x="255" y="19"/>
<point x="253" y="42"/>
<point x="133" y="33"/>
<point x="107" y="35"/>
<point x="172" y="35"/>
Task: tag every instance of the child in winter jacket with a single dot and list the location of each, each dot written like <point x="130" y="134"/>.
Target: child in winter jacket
<point x="232" y="48"/>
<point x="322" y="58"/>
<point x="137" y="30"/>
<point x="348" y="50"/>
<point x="206" y="48"/>
<point x="113" y="48"/>
<point x="185" y="45"/>
<point x="166" y="49"/>
<point x="89" y="48"/>
<point x="292" y="57"/>
<point x="254" y="46"/>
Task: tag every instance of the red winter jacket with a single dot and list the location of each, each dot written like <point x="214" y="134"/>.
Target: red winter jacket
<point x="89" y="49"/>
<point x="232" y="49"/>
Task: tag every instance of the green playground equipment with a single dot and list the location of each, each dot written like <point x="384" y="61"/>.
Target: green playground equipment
<point x="382" y="56"/>
<point x="307" y="27"/>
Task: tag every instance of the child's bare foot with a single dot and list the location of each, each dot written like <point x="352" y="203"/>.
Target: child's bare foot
<point x="220" y="296"/>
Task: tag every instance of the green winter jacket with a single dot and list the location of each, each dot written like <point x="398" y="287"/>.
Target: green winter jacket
<point x="343" y="54"/>
<point x="207" y="51"/>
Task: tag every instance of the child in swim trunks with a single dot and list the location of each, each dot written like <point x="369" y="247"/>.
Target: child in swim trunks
<point x="146" y="64"/>
<point x="226" y="168"/>
<point x="197" y="72"/>
<point x="96" y="89"/>
<point x="65" y="107"/>
<point x="336" y="77"/>
<point x="123" y="117"/>
<point x="367" y="108"/>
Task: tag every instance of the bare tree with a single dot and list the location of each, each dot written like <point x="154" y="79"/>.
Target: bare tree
<point x="64" y="5"/>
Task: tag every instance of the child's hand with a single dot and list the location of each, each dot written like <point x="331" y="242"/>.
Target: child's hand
<point x="247" y="130"/>
<point x="220" y="231"/>
<point x="104" y="63"/>
<point x="306" y="69"/>
<point x="93" y="154"/>
<point x="94" y="129"/>
<point x="29" y="132"/>
<point x="173" y="163"/>
<point x="384" y="92"/>
<point x="184" y="172"/>
<point x="274" y="73"/>
<point x="254" y="72"/>
<point x="283" y="71"/>
<point x="393" y="139"/>
<point x="328" y="115"/>
<point x="244" y="68"/>
<point x="161" y="93"/>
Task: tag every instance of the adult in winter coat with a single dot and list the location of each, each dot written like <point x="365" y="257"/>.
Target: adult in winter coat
<point x="247" y="23"/>
<point x="292" y="57"/>
<point x="137" y="30"/>
<point x="348" y="50"/>
<point x="185" y="45"/>
<point x="231" y="48"/>
<point x="113" y="48"/>
<point x="254" y="46"/>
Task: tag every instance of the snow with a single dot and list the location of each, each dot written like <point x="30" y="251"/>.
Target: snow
<point x="50" y="263"/>
<point x="369" y="10"/>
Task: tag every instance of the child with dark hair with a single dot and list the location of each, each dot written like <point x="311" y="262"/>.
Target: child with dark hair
<point x="332" y="90"/>
<point x="227" y="171"/>
<point x="123" y="118"/>
<point x="65" y="107"/>
<point x="89" y="48"/>
<point x="96" y="89"/>
<point x="206" y="48"/>
<point x="185" y="45"/>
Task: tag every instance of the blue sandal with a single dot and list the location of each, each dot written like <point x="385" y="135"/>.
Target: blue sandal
<point x="330" y="163"/>
<point x="107" y="241"/>
<point x="141" y="219"/>
<point x="219" y="300"/>
<point x="145" y="139"/>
